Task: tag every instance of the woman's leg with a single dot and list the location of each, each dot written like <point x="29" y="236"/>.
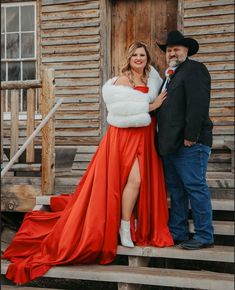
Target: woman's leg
<point x="129" y="198"/>
<point x="131" y="191"/>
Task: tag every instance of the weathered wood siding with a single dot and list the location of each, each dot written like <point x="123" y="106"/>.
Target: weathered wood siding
<point x="70" y="43"/>
<point x="211" y="22"/>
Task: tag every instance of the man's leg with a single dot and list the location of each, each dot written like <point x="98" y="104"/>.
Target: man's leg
<point x="178" y="222"/>
<point x="192" y="166"/>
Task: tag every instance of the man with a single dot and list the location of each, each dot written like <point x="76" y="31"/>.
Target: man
<point x="184" y="138"/>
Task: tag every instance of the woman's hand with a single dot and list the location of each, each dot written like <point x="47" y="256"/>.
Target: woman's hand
<point x="158" y="101"/>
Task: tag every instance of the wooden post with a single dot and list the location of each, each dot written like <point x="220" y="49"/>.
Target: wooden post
<point x="30" y="124"/>
<point x="126" y="286"/>
<point x="48" y="133"/>
<point x="14" y="122"/>
<point x="106" y="58"/>
<point x="134" y="261"/>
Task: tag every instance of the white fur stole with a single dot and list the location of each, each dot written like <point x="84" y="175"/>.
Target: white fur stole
<point x="128" y="107"/>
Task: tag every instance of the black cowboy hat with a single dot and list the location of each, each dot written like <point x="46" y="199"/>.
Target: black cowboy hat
<point x="176" y="38"/>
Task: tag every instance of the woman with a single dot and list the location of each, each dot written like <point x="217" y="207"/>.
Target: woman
<point x="124" y="181"/>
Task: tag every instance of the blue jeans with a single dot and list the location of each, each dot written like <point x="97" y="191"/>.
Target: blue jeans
<point x="185" y="173"/>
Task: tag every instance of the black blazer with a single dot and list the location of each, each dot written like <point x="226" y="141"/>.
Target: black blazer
<point x="185" y="112"/>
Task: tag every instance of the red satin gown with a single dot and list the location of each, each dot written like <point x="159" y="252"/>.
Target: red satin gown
<point x="82" y="228"/>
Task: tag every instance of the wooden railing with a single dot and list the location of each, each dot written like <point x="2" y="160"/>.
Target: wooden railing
<point x="47" y="125"/>
<point x="14" y="88"/>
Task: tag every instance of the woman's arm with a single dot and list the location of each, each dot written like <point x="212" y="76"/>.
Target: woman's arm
<point x="158" y="101"/>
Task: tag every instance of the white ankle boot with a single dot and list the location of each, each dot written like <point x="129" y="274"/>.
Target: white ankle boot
<point x="125" y="234"/>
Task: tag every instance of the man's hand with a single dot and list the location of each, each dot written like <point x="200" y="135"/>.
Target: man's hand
<point x="188" y="143"/>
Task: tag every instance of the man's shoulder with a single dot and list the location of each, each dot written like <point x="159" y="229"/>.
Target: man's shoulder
<point x="194" y="64"/>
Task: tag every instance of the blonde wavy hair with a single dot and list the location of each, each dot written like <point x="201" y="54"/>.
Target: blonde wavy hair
<point x="126" y="68"/>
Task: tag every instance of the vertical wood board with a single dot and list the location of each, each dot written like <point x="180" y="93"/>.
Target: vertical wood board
<point x="48" y="133"/>
<point x="14" y="121"/>
<point x="30" y="124"/>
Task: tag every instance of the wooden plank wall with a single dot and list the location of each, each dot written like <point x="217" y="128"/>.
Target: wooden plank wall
<point x="70" y="43"/>
<point x="211" y="22"/>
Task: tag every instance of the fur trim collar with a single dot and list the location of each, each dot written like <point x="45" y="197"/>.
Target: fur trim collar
<point x="128" y="107"/>
<point x="154" y="83"/>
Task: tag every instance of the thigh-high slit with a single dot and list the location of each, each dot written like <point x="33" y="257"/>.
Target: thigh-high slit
<point x="83" y="227"/>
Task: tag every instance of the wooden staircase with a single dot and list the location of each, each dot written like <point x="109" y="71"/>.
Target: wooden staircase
<point x="141" y="270"/>
<point x="140" y="267"/>
<point x="135" y="276"/>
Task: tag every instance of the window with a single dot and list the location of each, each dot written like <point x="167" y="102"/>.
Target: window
<point x="18" y="46"/>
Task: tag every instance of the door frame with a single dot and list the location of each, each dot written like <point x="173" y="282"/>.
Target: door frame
<point x="105" y="55"/>
<point x="106" y="47"/>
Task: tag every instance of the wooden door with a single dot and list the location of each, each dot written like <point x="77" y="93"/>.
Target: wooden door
<point x="141" y="20"/>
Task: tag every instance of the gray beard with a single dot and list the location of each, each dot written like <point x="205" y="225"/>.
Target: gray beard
<point x="173" y="63"/>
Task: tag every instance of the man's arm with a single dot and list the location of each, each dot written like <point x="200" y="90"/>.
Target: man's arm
<point x="197" y="92"/>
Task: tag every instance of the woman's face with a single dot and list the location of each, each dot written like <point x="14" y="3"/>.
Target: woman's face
<point x="138" y="60"/>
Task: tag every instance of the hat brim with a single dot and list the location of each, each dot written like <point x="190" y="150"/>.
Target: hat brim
<point x="190" y="43"/>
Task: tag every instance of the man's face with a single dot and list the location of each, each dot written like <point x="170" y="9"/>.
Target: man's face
<point x="176" y="54"/>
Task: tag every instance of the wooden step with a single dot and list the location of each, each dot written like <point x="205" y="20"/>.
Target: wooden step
<point x="220" y="183"/>
<point x="217" y="204"/>
<point x="142" y="275"/>
<point x="223" y="204"/>
<point x="220" y="179"/>
<point x="8" y="287"/>
<point x="64" y="156"/>
<point x="225" y="228"/>
<point x="220" y="227"/>
<point x="218" y="253"/>
<point x="43" y="200"/>
<point x="219" y="175"/>
<point x="222" y="193"/>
